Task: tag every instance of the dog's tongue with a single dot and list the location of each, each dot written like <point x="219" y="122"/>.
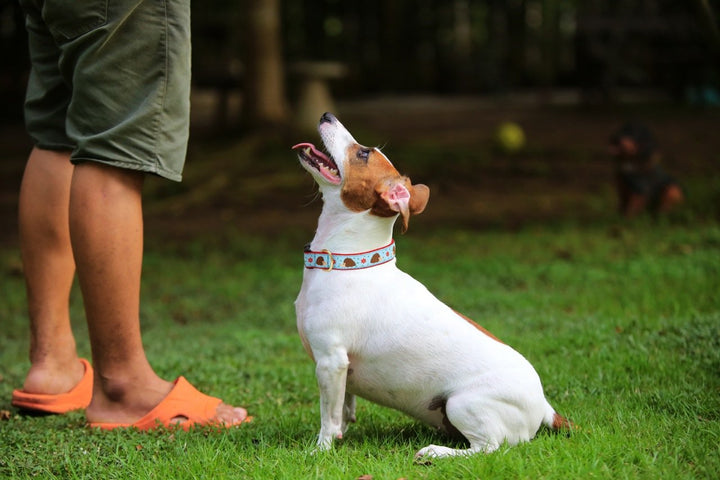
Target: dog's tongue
<point x="312" y="148"/>
<point x="303" y="145"/>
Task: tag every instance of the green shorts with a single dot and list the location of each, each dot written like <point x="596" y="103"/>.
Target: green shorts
<point x="110" y="81"/>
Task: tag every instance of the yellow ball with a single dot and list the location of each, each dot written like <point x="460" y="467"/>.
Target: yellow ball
<point x="510" y="137"/>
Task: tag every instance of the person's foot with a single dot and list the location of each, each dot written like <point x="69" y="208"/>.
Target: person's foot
<point x="49" y="389"/>
<point x="229" y="415"/>
<point x="146" y="405"/>
<point x="54" y="376"/>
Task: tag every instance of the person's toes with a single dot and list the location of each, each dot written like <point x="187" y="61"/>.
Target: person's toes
<point x="229" y="415"/>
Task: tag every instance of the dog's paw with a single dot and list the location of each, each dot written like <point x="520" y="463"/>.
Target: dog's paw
<point x="319" y="450"/>
<point x="324" y="444"/>
<point x="433" y="451"/>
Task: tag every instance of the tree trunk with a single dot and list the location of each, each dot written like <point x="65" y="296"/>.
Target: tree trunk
<point x="264" y="101"/>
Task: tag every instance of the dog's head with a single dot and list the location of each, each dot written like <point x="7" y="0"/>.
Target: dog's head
<point x="365" y="178"/>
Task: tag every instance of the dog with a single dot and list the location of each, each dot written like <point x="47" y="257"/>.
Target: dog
<point x="641" y="181"/>
<point x="376" y="332"/>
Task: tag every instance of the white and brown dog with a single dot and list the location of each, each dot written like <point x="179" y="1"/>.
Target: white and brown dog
<point x="376" y="332"/>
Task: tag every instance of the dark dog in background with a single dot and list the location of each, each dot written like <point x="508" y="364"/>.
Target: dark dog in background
<point x="642" y="184"/>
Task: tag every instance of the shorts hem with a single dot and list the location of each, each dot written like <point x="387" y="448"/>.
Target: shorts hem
<point x="168" y="174"/>
<point x="55" y="147"/>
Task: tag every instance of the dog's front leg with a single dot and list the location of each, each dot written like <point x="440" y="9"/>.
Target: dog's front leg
<point x="331" y="372"/>
<point x="348" y="411"/>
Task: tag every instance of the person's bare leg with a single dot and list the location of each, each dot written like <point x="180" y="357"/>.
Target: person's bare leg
<point x="49" y="271"/>
<point x="106" y="229"/>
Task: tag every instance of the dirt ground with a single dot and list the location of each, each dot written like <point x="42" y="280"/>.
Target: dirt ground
<point x="255" y="185"/>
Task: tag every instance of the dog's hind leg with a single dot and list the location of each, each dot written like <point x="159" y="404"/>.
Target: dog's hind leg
<point x="479" y="422"/>
<point x="331" y="372"/>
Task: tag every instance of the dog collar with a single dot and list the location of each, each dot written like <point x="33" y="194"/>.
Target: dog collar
<point x="327" y="260"/>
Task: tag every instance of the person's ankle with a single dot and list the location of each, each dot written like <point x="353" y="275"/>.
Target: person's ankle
<point x="125" y="399"/>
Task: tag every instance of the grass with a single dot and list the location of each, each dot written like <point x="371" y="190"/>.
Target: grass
<point x="621" y="321"/>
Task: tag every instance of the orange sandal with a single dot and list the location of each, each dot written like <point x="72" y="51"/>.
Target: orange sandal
<point x="184" y="401"/>
<point x="77" y="398"/>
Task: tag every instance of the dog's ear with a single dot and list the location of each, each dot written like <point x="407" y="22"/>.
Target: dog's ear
<point x="419" y="196"/>
<point x="404" y="198"/>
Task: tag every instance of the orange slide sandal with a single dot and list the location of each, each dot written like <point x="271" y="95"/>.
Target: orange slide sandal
<point x="77" y="398"/>
<point x="183" y="408"/>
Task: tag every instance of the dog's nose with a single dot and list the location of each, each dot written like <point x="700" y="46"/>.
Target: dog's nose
<point x="327" y="117"/>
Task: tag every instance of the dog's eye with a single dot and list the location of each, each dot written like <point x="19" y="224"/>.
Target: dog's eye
<point x="363" y="154"/>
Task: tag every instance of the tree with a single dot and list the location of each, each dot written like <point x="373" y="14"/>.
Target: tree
<point x="264" y="100"/>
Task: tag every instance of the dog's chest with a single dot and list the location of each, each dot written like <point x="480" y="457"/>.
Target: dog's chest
<point x="349" y="304"/>
<point x="381" y="322"/>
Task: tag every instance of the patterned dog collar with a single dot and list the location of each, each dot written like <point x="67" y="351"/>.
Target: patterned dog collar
<point x="327" y="260"/>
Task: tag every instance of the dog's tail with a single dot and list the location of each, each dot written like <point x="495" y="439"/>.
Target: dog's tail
<point x="557" y="422"/>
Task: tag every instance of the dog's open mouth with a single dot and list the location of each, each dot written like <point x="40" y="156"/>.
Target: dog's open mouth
<point x="316" y="159"/>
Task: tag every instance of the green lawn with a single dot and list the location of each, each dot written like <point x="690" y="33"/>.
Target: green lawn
<point x="621" y="321"/>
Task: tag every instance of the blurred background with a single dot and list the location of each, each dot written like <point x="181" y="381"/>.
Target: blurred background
<point x="436" y="84"/>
